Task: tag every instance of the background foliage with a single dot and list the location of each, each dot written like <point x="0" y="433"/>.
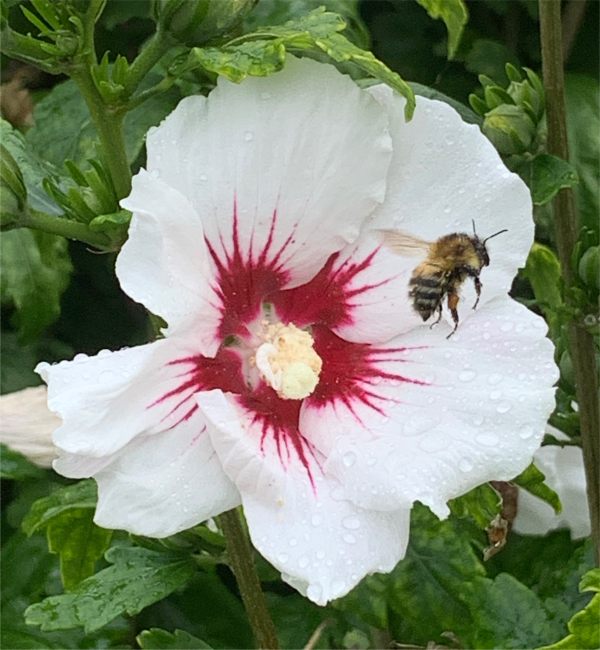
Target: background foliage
<point x="67" y="583"/>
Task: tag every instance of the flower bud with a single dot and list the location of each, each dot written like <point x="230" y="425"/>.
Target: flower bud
<point x="589" y="267"/>
<point x="509" y="128"/>
<point x="198" y="21"/>
<point x="12" y="187"/>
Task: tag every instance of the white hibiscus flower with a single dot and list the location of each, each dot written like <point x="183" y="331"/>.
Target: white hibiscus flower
<point x="295" y="376"/>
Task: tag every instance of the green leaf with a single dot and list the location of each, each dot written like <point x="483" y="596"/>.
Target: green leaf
<point x="506" y="614"/>
<point x="157" y="639"/>
<point x="63" y="129"/>
<point x="263" y="52"/>
<point x="583" y="118"/>
<point x="584" y="627"/>
<point x="79" y="543"/>
<point x="455" y="16"/>
<point x="138" y="578"/>
<point x="439" y="561"/>
<point x="548" y="176"/>
<point x="481" y="504"/>
<point x="532" y="480"/>
<point x="489" y="58"/>
<point x="36" y="270"/>
<point x="81" y="495"/>
<point x="15" y="466"/>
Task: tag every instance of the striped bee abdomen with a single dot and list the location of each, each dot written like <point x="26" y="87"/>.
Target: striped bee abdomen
<point x="426" y="293"/>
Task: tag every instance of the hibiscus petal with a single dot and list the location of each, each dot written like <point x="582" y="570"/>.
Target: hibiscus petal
<point x="164" y="263"/>
<point x="283" y="170"/>
<point x="478" y="413"/>
<point x="444" y="176"/>
<point x="106" y="400"/>
<point x="161" y="484"/>
<point x="303" y="524"/>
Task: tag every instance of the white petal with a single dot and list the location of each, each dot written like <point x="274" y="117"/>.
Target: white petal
<point x="303" y="154"/>
<point x="480" y="417"/>
<point x="106" y="400"/>
<point x="320" y="541"/>
<point x="444" y="176"/>
<point x="564" y="471"/>
<point x="161" y="484"/>
<point x="164" y="263"/>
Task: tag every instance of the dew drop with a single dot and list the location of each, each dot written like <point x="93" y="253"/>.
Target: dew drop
<point x="371" y="460"/>
<point x="349" y="538"/>
<point x="283" y="557"/>
<point x="203" y="178"/>
<point x="303" y="562"/>
<point x="320" y="555"/>
<point x="503" y="407"/>
<point x="316" y="520"/>
<point x="526" y="432"/>
<point x="494" y="379"/>
<point x="506" y="327"/>
<point x="487" y="439"/>
<point x="248" y="136"/>
<point x="495" y="395"/>
<point x="351" y="523"/>
<point x="314" y="592"/>
<point x="467" y="375"/>
<point x="465" y="465"/>
<point x="293" y="542"/>
<point x="349" y="458"/>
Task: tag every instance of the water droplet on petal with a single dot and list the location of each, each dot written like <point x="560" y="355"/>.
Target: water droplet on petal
<point x="465" y="465"/>
<point x="203" y="177"/>
<point x="467" y="375"/>
<point x="316" y="520"/>
<point x="487" y="439"/>
<point x="495" y="395"/>
<point x="349" y="458"/>
<point x="248" y="136"/>
<point x="293" y="542"/>
<point x="349" y="538"/>
<point x="303" y="562"/>
<point x="506" y="327"/>
<point x="494" y="379"/>
<point x="351" y="523"/>
<point x="283" y="558"/>
<point x="526" y="432"/>
<point x="503" y="407"/>
<point x="320" y="555"/>
<point x="314" y="592"/>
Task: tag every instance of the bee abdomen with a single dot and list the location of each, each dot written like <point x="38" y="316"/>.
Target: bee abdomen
<point x="426" y="293"/>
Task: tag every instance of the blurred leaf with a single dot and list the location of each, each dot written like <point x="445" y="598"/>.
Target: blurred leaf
<point x="426" y="589"/>
<point x="548" y="176"/>
<point x="489" y="58"/>
<point x="465" y="112"/>
<point x="532" y="480"/>
<point x="18" y="362"/>
<point x="585" y="625"/>
<point x="296" y="618"/>
<point x="481" y="504"/>
<point x="589" y="267"/>
<point x="35" y="271"/>
<point x="79" y="543"/>
<point x="455" y="16"/>
<point x="15" y="466"/>
<point x="583" y="125"/>
<point x="72" y="497"/>
<point x="542" y="269"/>
<point x="157" y="639"/>
<point x="264" y="52"/>
<point x="506" y="614"/>
<point x="137" y="578"/>
<point x="63" y="129"/>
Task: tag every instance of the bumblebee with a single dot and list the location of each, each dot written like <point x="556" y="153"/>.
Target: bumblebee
<point x="449" y="261"/>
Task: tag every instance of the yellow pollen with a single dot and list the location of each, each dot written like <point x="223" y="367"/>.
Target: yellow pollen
<point x="288" y="362"/>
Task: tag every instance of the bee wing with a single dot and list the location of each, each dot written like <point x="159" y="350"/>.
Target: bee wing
<point x="402" y="243"/>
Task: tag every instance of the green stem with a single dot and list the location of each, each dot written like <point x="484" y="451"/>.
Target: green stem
<point x="63" y="227"/>
<point x="581" y="343"/>
<point x="109" y="125"/>
<point x="240" y="554"/>
<point x="150" y="54"/>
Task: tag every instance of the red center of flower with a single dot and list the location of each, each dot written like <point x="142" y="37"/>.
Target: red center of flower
<point x="250" y="283"/>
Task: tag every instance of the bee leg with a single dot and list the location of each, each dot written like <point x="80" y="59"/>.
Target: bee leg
<point x="452" y="305"/>
<point x="477" y="283"/>
<point x="439" y="315"/>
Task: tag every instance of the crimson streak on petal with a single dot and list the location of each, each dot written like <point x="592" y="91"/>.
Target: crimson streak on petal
<point x="224" y="371"/>
<point x="244" y="278"/>
<point x="327" y="298"/>
<point x="352" y="371"/>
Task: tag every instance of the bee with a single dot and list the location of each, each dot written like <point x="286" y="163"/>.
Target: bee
<point x="449" y="261"/>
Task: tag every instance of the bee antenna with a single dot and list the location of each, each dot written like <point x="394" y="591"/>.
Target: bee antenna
<point x="474" y="231"/>
<point x="495" y="234"/>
